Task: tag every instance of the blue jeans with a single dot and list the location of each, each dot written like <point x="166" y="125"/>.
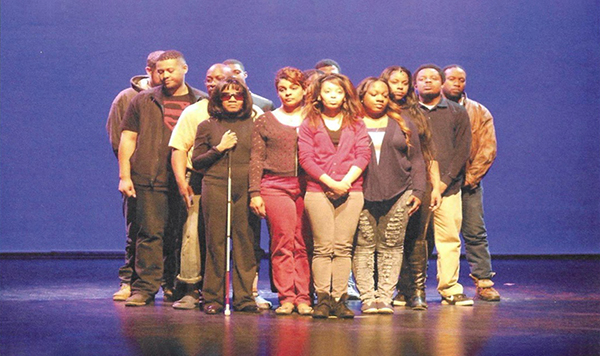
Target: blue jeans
<point x="475" y="234"/>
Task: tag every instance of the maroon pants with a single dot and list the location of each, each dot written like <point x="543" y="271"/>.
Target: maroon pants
<point x="288" y="227"/>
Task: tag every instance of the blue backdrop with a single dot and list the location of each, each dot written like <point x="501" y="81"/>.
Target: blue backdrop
<point x="534" y="64"/>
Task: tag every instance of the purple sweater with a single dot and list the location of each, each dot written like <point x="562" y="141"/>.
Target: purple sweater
<point x="318" y="155"/>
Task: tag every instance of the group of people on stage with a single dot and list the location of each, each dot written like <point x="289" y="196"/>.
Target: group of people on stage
<point x="347" y="178"/>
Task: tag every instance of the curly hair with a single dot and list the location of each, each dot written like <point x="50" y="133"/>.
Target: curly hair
<point x="291" y="74"/>
<point x="215" y="104"/>
<point x="351" y="108"/>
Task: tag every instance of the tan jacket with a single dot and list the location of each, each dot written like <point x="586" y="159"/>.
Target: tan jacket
<point x="483" y="146"/>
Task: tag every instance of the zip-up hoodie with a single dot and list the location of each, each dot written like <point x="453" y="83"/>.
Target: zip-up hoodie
<point x="119" y="107"/>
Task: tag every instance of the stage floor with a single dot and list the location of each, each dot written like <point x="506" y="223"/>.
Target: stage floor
<point x="64" y="307"/>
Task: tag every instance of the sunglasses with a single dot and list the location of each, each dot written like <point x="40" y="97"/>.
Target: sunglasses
<point x="236" y="96"/>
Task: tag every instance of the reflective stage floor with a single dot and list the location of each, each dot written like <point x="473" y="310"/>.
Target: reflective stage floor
<point x="64" y="307"/>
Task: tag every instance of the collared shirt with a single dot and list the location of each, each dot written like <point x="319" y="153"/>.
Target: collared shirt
<point x="451" y="134"/>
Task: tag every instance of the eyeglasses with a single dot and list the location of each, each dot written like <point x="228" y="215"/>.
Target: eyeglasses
<point x="236" y="96"/>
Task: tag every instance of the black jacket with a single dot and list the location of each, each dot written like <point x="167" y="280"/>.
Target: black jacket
<point x="150" y="166"/>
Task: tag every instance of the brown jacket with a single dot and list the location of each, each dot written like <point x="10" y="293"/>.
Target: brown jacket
<point x="483" y="146"/>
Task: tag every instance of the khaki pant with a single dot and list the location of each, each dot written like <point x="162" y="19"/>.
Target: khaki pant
<point x="333" y="228"/>
<point x="447" y="221"/>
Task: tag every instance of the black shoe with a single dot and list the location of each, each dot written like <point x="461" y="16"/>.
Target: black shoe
<point x="341" y="310"/>
<point x="253" y="308"/>
<point x="417" y="302"/>
<point x="213" y="309"/>
<point x="168" y="294"/>
<point x="323" y="307"/>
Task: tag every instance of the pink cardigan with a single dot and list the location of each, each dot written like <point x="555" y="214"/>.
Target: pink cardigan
<point x="318" y="155"/>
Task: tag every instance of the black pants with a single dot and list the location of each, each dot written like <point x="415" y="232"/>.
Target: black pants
<point x="131" y="230"/>
<point x="214" y="208"/>
<point x="159" y="215"/>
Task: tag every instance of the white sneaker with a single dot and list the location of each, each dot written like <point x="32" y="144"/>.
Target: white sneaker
<point x="369" y="307"/>
<point x="262" y="303"/>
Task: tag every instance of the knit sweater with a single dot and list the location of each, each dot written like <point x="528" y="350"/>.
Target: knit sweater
<point x="274" y="151"/>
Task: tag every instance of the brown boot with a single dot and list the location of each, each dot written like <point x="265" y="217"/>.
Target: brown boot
<point x="323" y="307"/>
<point x="485" y="290"/>
<point x="340" y="308"/>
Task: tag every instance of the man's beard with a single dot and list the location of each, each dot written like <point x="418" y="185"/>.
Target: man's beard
<point x="429" y="96"/>
<point x="455" y="98"/>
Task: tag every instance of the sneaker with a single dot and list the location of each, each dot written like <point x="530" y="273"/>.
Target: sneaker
<point x="385" y="308"/>
<point x="457" y="299"/>
<point x="262" y="303"/>
<point x="123" y="293"/>
<point x="285" y="309"/>
<point x="188" y="302"/>
<point x="369" y="307"/>
<point x="138" y="300"/>
<point x="399" y="300"/>
<point x="304" y="309"/>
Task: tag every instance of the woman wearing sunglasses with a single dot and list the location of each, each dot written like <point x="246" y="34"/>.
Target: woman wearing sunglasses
<point x="226" y="133"/>
<point x="333" y="150"/>
<point x="277" y="192"/>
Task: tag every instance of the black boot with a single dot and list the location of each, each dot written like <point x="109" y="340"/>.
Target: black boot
<point x="340" y="308"/>
<point x="417" y="301"/>
<point x="418" y="267"/>
<point x="404" y="285"/>
<point x="323" y="307"/>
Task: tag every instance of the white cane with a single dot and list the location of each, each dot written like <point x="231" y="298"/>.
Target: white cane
<point x="228" y="238"/>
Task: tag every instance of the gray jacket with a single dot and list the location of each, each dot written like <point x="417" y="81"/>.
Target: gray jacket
<point x="119" y="107"/>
